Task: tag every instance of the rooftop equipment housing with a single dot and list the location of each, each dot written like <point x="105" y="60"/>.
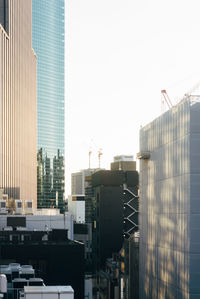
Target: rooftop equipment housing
<point x="46" y="292"/>
<point x="18" y="207"/>
<point x="27" y="271"/>
<point x="28" y="207"/>
<point x="3" y="209"/>
<point x="36" y="282"/>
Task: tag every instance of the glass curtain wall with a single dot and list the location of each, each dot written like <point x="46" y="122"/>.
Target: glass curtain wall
<point x="48" y="42"/>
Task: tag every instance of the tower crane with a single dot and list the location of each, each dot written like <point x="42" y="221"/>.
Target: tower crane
<point x="100" y="153"/>
<point x="166" y="98"/>
<point x="90" y="153"/>
<point x="93" y="149"/>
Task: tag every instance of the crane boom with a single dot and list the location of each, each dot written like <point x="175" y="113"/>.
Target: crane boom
<point x="166" y="98"/>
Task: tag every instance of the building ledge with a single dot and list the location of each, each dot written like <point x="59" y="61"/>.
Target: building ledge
<point x="143" y="155"/>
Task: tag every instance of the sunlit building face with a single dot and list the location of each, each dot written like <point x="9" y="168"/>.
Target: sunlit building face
<point x="169" y="203"/>
<point x="48" y="43"/>
<point x="17" y="101"/>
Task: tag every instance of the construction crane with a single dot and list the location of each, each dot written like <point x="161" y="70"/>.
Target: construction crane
<point x="166" y="98"/>
<point x="93" y="149"/>
<point x="90" y="153"/>
<point x="100" y="153"/>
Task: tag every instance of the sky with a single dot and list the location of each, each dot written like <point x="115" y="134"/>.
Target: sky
<point x="120" y="54"/>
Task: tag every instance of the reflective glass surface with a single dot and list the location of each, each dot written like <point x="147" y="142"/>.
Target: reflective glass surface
<point x="48" y="43"/>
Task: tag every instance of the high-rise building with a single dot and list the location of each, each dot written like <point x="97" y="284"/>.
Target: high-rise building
<point x="123" y="162"/>
<point x="108" y="215"/>
<point x="17" y="101"/>
<point x="113" y="209"/>
<point x="169" y="204"/>
<point x="48" y="43"/>
<point x="79" y="180"/>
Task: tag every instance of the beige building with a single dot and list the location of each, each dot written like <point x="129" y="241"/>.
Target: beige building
<point x="18" y="174"/>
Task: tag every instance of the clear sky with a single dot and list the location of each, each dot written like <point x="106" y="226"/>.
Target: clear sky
<point x="119" y="55"/>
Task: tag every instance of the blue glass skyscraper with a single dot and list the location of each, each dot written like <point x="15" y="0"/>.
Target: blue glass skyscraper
<point x="48" y="26"/>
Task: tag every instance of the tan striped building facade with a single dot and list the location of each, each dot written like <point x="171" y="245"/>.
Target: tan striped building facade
<point x="18" y="169"/>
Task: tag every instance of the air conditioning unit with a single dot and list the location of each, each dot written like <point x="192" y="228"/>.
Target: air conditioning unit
<point x="18" y="206"/>
<point x="27" y="272"/>
<point x="29" y="207"/>
<point x="3" y="209"/>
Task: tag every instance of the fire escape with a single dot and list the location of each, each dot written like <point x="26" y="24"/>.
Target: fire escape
<point x="131" y="207"/>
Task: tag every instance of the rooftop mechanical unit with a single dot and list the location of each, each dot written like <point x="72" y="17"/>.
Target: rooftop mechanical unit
<point x="28" y="207"/>
<point x="18" y="207"/>
<point x="46" y="292"/>
<point x="3" y="209"/>
<point x="27" y="271"/>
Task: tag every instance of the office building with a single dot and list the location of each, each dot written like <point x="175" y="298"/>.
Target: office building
<point x="48" y="43"/>
<point x="115" y="211"/>
<point x="114" y="215"/>
<point x="17" y="102"/>
<point x="79" y="180"/>
<point x="169" y="203"/>
<point x="123" y="162"/>
<point x="76" y="207"/>
<point x="80" y="184"/>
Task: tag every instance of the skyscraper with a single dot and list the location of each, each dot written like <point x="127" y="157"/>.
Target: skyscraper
<point x="17" y="101"/>
<point x="48" y="43"/>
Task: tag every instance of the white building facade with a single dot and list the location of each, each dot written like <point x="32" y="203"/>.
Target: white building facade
<point x="170" y="204"/>
<point x="76" y="207"/>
